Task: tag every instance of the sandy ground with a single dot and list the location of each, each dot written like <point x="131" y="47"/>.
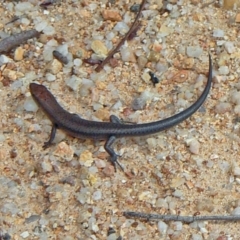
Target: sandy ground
<point x="70" y="190"/>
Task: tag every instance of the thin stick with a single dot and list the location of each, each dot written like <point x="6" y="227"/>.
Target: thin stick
<point x="185" y="219"/>
<point x="113" y="51"/>
<point x="13" y="41"/>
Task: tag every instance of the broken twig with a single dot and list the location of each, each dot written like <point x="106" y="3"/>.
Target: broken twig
<point x="185" y="219"/>
<point x="13" y="41"/>
<point x="113" y="51"/>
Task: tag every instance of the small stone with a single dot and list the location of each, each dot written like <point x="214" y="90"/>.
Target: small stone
<point x="18" y="54"/>
<point x="138" y="103"/>
<point x="30" y="105"/>
<point x="46" y="166"/>
<point x="11" y="74"/>
<point x="111" y="15"/>
<point x="205" y="205"/>
<point x="237" y="19"/>
<point x="224" y="70"/>
<point x="24" y="234"/>
<point x="236" y="211"/>
<point x="162" y="227"/>
<point x="127" y="55"/>
<point x="86" y="158"/>
<point x="235" y="97"/>
<point x="237" y="110"/>
<point x="196" y="236"/>
<point x="218" y="33"/>
<point x="99" y="48"/>
<point x="50" y="77"/>
<point x="142" y="61"/>
<point x="146" y="77"/>
<point x="236" y="171"/>
<point x="194" y="146"/>
<point x="229" y="46"/>
<point x="161" y="203"/>
<point x="100" y="163"/>
<point x="143" y="196"/>
<point x="194" y="51"/>
<point x="177" y="182"/>
<point x="97" y="195"/>
<point x="74" y="82"/>
<point x="109" y="170"/>
<point x="135" y="8"/>
<point x="64" y="151"/>
<point x="153" y="56"/>
<point x="229" y="4"/>
<point x="223" y="107"/>
<point x="54" y="67"/>
<point x="102" y="114"/>
<point x="177" y="226"/>
<point x="4" y="59"/>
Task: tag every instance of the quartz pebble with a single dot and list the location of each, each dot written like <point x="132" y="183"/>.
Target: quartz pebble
<point x="30" y="105"/>
<point x="230" y="48"/>
<point x="162" y="227"/>
<point x="194" y="146"/>
<point x="218" y="33"/>
<point x="46" y="166"/>
<point x="194" y="51"/>
<point x="223" y="107"/>
<point x="224" y="70"/>
<point x="127" y="55"/>
<point x="74" y="82"/>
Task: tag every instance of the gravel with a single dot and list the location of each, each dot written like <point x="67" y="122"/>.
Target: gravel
<point x="70" y="190"/>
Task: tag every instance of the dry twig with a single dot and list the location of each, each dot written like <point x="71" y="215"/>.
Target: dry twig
<point x="185" y="219"/>
<point x="113" y="51"/>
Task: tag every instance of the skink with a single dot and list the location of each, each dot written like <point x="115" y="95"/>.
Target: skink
<point x="81" y="128"/>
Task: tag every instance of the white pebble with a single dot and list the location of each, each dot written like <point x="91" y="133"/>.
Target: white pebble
<point x="161" y="203"/>
<point x="121" y="27"/>
<point x="162" y="227"/>
<point x="229" y="46"/>
<point x="127" y="55"/>
<point x="74" y="82"/>
<point x="196" y="236"/>
<point x="46" y="166"/>
<point x="194" y="51"/>
<point x="50" y="77"/>
<point x="235" y="97"/>
<point x="194" y="146"/>
<point x="236" y="171"/>
<point x="2" y="137"/>
<point x="178" y="193"/>
<point x="77" y="62"/>
<point x="24" y="7"/>
<point x="177" y="226"/>
<point x="223" y="70"/>
<point x="237" y="109"/>
<point x="41" y="25"/>
<point x="25" y="21"/>
<point x="97" y="195"/>
<point x="24" y="234"/>
<point x="63" y="49"/>
<point x="30" y="105"/>
<point x="236" y="211"/>
<point x="218" y="33"/>
<point x="4" y="59"/>
<point x="49" y="30"/>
